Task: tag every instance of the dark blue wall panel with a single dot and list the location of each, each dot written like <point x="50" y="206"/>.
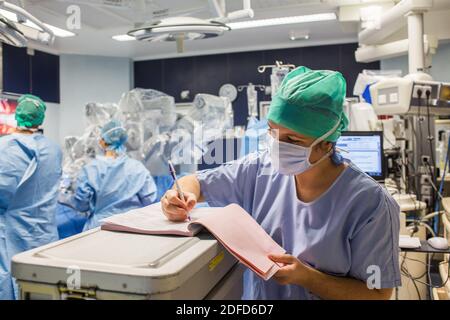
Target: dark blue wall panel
<point x="214" y="71"/>
<point x="148" y="74"/>
<point x="16" y="70"/>
<point x="205" y="74"/>
<point x="45" y="76"/>
<point x="179" y="75"/>
<point x="37" y="74"/>
<point x="323" y="57"/>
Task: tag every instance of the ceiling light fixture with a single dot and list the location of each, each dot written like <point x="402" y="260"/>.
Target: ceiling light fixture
<point x="298" y="35"/>
<point x="123" y="37"/>
<point x="282" y="21"/>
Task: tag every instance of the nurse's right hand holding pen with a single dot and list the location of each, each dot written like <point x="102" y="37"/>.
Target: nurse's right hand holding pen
<point x="175" y="208"/>
<point x="176" y="204"/>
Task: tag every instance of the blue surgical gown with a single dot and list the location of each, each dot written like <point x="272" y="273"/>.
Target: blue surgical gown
<point x="351" y="227"/>
<point x="107" y="186"/>
<point x="30" y="170"/>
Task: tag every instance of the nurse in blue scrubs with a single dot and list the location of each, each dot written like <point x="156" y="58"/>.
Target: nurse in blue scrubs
<point x="30" y="171"/>
<point x="338" y="225"/>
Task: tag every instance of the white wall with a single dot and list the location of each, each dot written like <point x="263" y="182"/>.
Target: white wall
<point x="85" y="79"/>
<point x="440" y="70"/>
<point x="51" y="122"/>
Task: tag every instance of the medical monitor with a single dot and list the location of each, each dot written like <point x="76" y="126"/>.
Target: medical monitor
<point x="365" y="150"/>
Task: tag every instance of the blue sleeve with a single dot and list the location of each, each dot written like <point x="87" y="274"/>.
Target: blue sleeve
<point x="84" y="193"/>
<point x="13" y="165"/>
<point x="232" y="182"/>
<point x="148" y="194"/>
<point x="375" y="246"/>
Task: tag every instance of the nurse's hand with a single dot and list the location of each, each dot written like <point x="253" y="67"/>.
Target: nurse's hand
<point x="292" y="272"/>
<point x="176" y="209"/>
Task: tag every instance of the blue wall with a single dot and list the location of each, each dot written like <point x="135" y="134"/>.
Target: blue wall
<point x="206" y="74"/>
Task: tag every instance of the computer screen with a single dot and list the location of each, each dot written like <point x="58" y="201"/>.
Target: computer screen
<point x="365" y="150"/>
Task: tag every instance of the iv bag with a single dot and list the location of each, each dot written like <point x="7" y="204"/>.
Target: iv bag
<point x="252" y="98"/>
<point x="277" y="76"/>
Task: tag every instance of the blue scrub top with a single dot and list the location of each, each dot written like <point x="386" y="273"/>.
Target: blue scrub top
<point x="351" y="227"/>
<point x="107" y="186"/>
<point x="30" y="171"/>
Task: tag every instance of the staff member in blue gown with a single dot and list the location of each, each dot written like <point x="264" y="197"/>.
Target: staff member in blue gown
<point x="113" y="183"/>
<point x="30" y="170"/>
<point x="340" y="227"/>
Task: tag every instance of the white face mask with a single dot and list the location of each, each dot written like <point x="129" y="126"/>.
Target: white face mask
<point x="291" y="159"/>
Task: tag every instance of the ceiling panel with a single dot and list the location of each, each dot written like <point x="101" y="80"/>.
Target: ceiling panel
<point x="100" y="23"/>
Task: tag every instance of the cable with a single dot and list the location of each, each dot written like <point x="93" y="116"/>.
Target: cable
<point x="420" y="223"/>
<point x="416" y="205"/>
<point x="414" y="175"/>
<point x="430" y="136"/>
<point x="431" y="215"/>
<point x="430" y="290"/>
<point x="441" y="186"/>
<point x="443" y="284"/>
<point x="419" y="94"/>
<point x="430" y="142"/>
<point x="421" y="262"/>
<point x="438" y="193"/>
<point x="406" y="272"/>
<point x="420" y="146"/>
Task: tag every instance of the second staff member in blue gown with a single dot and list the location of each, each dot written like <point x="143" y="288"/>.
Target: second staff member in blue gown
<point x="113" y="183"/>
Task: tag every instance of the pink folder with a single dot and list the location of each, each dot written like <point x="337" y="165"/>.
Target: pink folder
<point x="244" y="238"/>
<point x="232" y="226"/>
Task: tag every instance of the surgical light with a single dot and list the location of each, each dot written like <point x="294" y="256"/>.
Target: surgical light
<point x="171" y="29"/>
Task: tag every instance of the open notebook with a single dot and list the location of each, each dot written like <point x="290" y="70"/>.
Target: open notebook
<point x="232" y="226"/>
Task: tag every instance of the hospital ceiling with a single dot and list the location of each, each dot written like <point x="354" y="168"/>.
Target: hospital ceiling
<point x="101" y="19"/>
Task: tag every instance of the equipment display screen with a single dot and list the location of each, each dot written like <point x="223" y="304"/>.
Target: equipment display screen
<point x="365" y="150"/>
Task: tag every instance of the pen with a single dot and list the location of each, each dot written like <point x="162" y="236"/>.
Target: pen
<point x="174" y="177"/>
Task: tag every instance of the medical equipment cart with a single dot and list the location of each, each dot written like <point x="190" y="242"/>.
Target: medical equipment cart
<point x="105" y="265"/>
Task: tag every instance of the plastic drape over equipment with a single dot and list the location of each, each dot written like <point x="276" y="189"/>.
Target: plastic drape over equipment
<point x="78" y="151"/>
<point x="207" y="120"/>
<point x="156" y="133"/>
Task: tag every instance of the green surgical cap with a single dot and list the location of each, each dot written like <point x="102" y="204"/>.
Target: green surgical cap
<point x="311" y="103"/>
<point x="30" y="111"/>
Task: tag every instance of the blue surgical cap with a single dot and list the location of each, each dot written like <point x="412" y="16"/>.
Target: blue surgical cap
<point x="115" y="135"/>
